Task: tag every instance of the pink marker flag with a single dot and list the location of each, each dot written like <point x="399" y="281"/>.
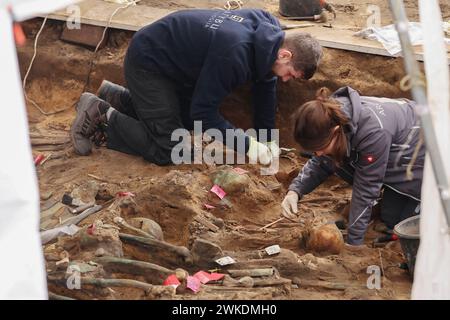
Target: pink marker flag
<point x="193" y="283"/>
<point x="172" y="280"/>
<point x="208" y="206"/>
<point x="240" y="171"/>
<point x="206" y="277"/>
<point x="218" y="191"/>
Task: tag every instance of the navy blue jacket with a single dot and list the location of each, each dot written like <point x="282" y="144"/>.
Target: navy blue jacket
<point x="214" y="51"/>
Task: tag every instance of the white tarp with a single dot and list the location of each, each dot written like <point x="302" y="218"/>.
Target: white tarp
<point x="22" y="274"/>
<point x="388" y="36"/>
<point x="26" y="9"/>
<point x="432" y="272"/>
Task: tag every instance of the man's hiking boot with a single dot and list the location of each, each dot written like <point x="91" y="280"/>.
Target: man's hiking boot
<point x="114" y="94"/>
<point x="90" y="119"/>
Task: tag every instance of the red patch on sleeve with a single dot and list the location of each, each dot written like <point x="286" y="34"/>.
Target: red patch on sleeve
<point x="368" y="159"/>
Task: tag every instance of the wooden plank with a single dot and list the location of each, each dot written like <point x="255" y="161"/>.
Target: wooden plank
<point x="98" y="13"/>
<point x="133" y="18"/>
<point x="343" y="39"/>
<point x="88" y="35"/>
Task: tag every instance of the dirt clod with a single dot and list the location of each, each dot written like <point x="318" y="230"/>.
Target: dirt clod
<point x="229" y="180"/>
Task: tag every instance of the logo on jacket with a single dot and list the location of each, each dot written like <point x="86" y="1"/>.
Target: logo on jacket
<point x="218" y="19"/>
<point x="236" y="18"/>
<point x="380" y="109"/>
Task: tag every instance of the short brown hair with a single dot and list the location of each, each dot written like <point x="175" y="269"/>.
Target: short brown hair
<point x="306" y="52"/>
<point x="314" y="122"/>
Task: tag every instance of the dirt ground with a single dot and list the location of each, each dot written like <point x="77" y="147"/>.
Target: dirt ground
<point x="175" y="196"/>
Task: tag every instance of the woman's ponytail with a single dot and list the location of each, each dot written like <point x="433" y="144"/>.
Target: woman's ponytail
<point x="323" y="94"/>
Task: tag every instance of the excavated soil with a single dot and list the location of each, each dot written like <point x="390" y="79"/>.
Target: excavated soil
<point x="174" y="196"/>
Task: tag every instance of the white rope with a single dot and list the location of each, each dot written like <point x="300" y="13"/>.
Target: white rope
<point x="29" y="69"/>
<point x="131" y="2"/>
<point x="233" y="5"/>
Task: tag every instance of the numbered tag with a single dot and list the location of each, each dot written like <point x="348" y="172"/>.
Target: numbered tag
<point x="225" y="261"/>
<point x="273" y="250"/>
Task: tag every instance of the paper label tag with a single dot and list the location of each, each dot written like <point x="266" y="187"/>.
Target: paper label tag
<point x="225" y="261"/>
<point x="273" y="250"/>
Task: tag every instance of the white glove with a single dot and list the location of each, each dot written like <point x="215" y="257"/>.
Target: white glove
<point x="289" y="205"/>
<point x="258" y="152"/>
<point x="274" y="149"/>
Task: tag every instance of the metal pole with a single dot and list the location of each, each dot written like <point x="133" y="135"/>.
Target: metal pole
<point x="419" y="95"/>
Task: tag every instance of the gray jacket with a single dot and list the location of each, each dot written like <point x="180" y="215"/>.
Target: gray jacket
<point x="381" y="136"/>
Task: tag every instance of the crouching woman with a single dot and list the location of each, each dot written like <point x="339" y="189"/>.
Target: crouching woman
<point x="367" y="141"/>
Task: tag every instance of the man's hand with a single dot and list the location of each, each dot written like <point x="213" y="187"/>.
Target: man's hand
<point x="289" y="205"/>
<point x="258" y="152"/>
<point x="273" y="147"/>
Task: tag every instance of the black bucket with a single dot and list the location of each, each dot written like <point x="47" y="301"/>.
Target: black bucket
<point x="300" y="8"/>
<point x="408" y="232"/>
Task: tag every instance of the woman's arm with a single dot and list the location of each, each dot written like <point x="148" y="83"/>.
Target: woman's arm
<point x="313" y="173"/>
